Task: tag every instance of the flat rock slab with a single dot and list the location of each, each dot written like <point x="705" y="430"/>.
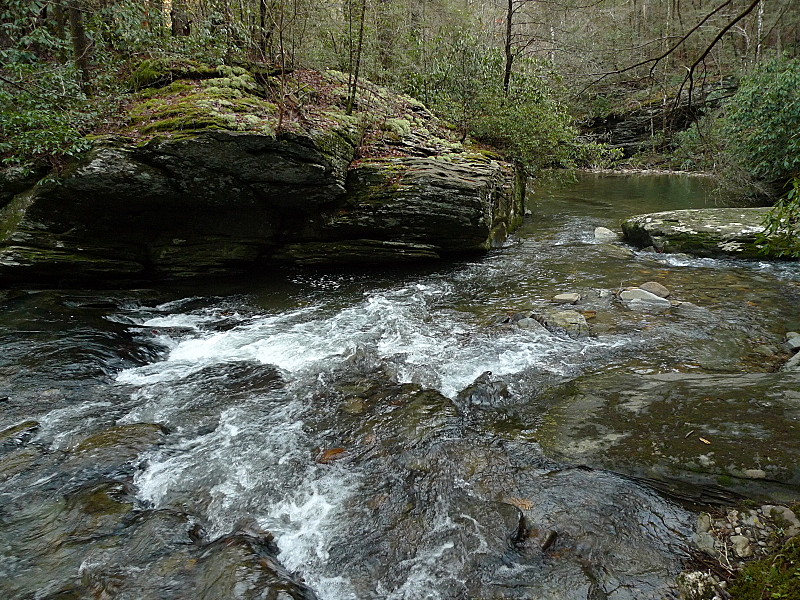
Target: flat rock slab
<point x="707" y="438"/>
<point x="706" y="232"/>
<point x="568" y="298"/>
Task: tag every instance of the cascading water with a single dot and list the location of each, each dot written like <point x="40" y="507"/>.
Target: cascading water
<point x="347" y="436"/>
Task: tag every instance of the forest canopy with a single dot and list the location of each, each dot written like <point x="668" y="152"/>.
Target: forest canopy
<point x="532" y="77"/>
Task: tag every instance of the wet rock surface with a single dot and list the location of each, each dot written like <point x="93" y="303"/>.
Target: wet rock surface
<point x="707" y="438"/>
<point x="711" y="232"/>
<point x="384" y="431"/>
<point x="503" y="513"/>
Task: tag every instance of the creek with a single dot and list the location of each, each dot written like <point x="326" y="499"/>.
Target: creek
<point x="364" y="435"/>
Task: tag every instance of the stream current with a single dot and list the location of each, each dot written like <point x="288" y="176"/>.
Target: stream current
<point x="359" y="435"/>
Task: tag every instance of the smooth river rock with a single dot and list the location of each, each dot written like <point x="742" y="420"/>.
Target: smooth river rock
<point x="567" y="298"/>
<point x="605" y="235"/>
<point x="638" y="299"/>
<point x="706" y="437"/>
<point x="707" y="232"/>
<point x="655" y="288"/>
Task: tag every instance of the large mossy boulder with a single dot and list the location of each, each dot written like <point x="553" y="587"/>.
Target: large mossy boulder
<point x="706" y="232"/>
<point x="198" y="182"/>
<point x="701" y="437"/>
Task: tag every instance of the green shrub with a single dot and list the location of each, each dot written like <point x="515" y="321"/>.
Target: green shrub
<point x="762" y="122"/>
<point x="464" y="84"/>
<point x="781" y="236"/>
<point x="45" y="121"/>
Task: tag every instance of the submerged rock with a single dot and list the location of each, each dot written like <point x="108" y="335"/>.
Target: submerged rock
<point x="705" y="437"/>
<point x="708" y="232"/>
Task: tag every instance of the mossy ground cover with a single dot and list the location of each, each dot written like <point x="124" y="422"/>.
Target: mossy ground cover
<point x="173" y="100"/>
<point x="776" y="577"/>
<point x="232" y="102"/>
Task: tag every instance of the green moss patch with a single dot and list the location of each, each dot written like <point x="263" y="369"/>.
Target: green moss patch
<point x="220" y="103"/>
<point x="776" y="577"/>
<point x="159" y="72"/>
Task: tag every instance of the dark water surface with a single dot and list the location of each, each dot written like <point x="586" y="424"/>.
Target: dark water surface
<point x="337" y="435"/>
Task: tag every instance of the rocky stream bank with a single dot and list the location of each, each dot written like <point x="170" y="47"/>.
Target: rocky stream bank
<point x="208" y="176"/>
<point x="711" y="439"/>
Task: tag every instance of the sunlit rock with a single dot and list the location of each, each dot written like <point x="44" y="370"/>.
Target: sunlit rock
<point x="605" y="235"/>
<point x="710" y="232"/>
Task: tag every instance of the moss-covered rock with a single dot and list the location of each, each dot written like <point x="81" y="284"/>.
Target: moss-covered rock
<point x="709" y="438"/>
<point x="221" y="169"/>
<point x="158" y="72"/>
<point x="707" y="232"/>
<point x="776" y="577"/>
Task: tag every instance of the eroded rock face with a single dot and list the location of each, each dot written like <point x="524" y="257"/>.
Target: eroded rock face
<point x="708" y="232"/>
<point x="410" y="208"/>
<point x="221" y="201"/>
<point x="171" y="208"/>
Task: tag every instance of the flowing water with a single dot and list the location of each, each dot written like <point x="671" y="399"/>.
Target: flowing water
<point x="360" y="435"/>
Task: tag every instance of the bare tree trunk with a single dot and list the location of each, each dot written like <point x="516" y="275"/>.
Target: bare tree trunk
<point x="60" y="20"/>
<point x="267" y="23"/>
<point x="760" y="32"/>
<point x="282" y="104"/>
<point x="80" y="45"/>
<point x="507" y="47"/>
<point x="351" y="100"/>
<point x="180" y="24"/>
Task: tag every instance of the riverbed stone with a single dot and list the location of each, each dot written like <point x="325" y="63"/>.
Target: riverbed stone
<point x="531" y="325"/>
<point x="697" y="436"/>
<point x="637" y="299"/>
<point x="793" y="341"/>
<point x="640" y="294"/>
<point x="605" y="235"/>
<point x="655" y="288"/>
<point x="567" y="298"/>
<point x="689" y="309"/>
<point x="697" y="585"/>
<point x="707" y="232"/>
<point x="793" y="364"/>
<point x="617" y="251"/>
<point x="786" y="519"/>
<point x="115" y="446"/>
<point x="741" y="545"/>
<point x="571" y="322"/>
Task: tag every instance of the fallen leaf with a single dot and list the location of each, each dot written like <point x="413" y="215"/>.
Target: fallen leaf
<point x="330" y="455"/>
<point x="521" y="503"/>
